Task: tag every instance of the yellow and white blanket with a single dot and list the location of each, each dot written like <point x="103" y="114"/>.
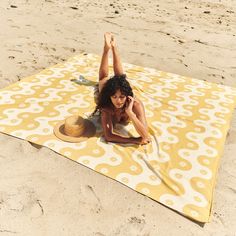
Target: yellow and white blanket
<point x="188" y="121"/>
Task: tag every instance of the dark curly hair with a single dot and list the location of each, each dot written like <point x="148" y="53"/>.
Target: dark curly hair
<point x="116" y="82"/>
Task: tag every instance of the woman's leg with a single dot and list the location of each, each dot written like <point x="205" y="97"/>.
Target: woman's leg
<point x="104" y="69"/>
<point x="117" y="66"/>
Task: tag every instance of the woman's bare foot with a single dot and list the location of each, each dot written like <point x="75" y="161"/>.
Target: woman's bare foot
<point x="107" y="41"/>
<point x="113" y="41"/>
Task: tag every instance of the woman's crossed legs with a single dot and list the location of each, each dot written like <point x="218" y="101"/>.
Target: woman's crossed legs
<point x="109" y="43"/>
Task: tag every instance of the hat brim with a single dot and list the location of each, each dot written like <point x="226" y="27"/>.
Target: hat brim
<point x="89" y="131"/>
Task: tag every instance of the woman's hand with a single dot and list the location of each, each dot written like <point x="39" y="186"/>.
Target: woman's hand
<point x="141" y="141"/>
<point x="129" y="105"/>
<point x="145" y="141"/>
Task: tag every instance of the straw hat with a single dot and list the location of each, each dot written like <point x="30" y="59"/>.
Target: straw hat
<point x="74" y="129"/>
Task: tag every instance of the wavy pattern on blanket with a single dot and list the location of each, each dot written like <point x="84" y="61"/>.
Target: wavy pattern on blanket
<point x="188" y="121"/>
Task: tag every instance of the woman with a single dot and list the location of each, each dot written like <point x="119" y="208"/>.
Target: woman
<point x="115" y="99"/>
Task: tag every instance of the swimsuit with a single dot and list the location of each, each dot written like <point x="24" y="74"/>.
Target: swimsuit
<point x="123" y="118"/>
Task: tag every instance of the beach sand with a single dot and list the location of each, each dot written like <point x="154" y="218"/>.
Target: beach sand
<point x="43" y="193"/>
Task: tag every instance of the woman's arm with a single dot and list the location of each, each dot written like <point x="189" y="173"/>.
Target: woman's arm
<point x="108" y="131"/>
<point x="136" y="113"/>
<point x="139" y="126"/>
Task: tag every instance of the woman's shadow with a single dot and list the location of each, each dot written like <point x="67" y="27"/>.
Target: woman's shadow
<point x="81" y="80"/>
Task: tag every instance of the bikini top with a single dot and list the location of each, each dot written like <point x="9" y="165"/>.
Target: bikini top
<point x="122" y="118"/>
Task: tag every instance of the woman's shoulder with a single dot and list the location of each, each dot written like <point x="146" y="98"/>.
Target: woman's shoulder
<point x="137" y="101"/>
<point x="138" y="105"/>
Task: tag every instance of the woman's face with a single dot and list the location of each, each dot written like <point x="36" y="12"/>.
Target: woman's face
<point x="118" y="99"/>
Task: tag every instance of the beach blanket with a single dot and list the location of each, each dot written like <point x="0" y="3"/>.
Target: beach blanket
<point x="188" y="122"/>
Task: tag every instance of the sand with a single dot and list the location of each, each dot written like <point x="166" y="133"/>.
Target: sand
<point x="43" y="193"/>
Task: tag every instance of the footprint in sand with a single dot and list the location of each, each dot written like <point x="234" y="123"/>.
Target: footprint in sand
<point x="70" y="49"/>
<point x="134" y="226"/>
<point x="15" y="26"/>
